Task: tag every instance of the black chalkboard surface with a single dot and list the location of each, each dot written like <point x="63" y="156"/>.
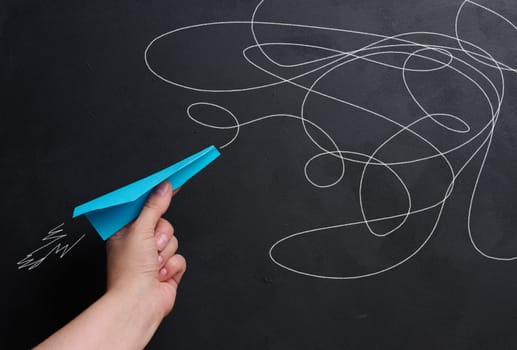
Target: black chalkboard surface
<point x="365" y="194"/>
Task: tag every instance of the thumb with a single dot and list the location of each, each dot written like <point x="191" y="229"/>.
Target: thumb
<point x="156" y="205"/>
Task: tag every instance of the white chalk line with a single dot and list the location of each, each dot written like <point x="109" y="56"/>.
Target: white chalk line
<point x="373" y="53"/>
<point x="53" y="239"/>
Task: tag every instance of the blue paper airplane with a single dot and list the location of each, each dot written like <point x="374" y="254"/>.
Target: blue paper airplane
<point x="112" y="211"/>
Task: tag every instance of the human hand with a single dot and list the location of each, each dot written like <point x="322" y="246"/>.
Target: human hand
<point x="142" y="260"/>
<point x="143" y="276"/>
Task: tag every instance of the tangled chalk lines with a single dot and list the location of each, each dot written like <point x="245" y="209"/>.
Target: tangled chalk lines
<point x="406" y="53"/>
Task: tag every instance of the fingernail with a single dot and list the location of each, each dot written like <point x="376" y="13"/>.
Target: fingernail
<point x="162" y="188"/>
<point x="163" y="272"/>
<point x="160" y="259"/>
<point x="162" y="241"/>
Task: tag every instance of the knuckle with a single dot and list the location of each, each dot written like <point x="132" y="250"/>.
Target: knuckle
<point x="165" y="226"/>
<point x="182" y="262"/>
<point x="172" y="246"/>
<point x="164" y="222"/>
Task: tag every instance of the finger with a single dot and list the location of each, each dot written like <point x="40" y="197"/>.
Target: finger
<point x="163" y="233"/>
<point x="173" y="270"/>
<point x="170" y="250"/>
<point x="176" y="278"/>
<point x="156" y="205"/>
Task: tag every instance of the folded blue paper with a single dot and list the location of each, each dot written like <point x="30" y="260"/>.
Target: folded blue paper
<point x="112" y="211"/>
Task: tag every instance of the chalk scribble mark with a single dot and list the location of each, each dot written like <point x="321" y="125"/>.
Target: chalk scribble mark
<point x="413" y="55"/>
<point x="53" y="244"/>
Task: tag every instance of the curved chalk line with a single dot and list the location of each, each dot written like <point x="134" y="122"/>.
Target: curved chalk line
<point x="459" y="57"/>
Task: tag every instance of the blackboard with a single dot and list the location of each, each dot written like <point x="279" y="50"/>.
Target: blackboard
<point x="389" y="123"/>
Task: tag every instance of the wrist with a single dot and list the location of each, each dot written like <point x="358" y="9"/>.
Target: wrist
<point x="135" y="313"/>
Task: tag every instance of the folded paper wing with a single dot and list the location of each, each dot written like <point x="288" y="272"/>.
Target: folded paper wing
<point x="112" y="211"/>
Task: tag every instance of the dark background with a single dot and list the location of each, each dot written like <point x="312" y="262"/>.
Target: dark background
<point x="81" y="115"/>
